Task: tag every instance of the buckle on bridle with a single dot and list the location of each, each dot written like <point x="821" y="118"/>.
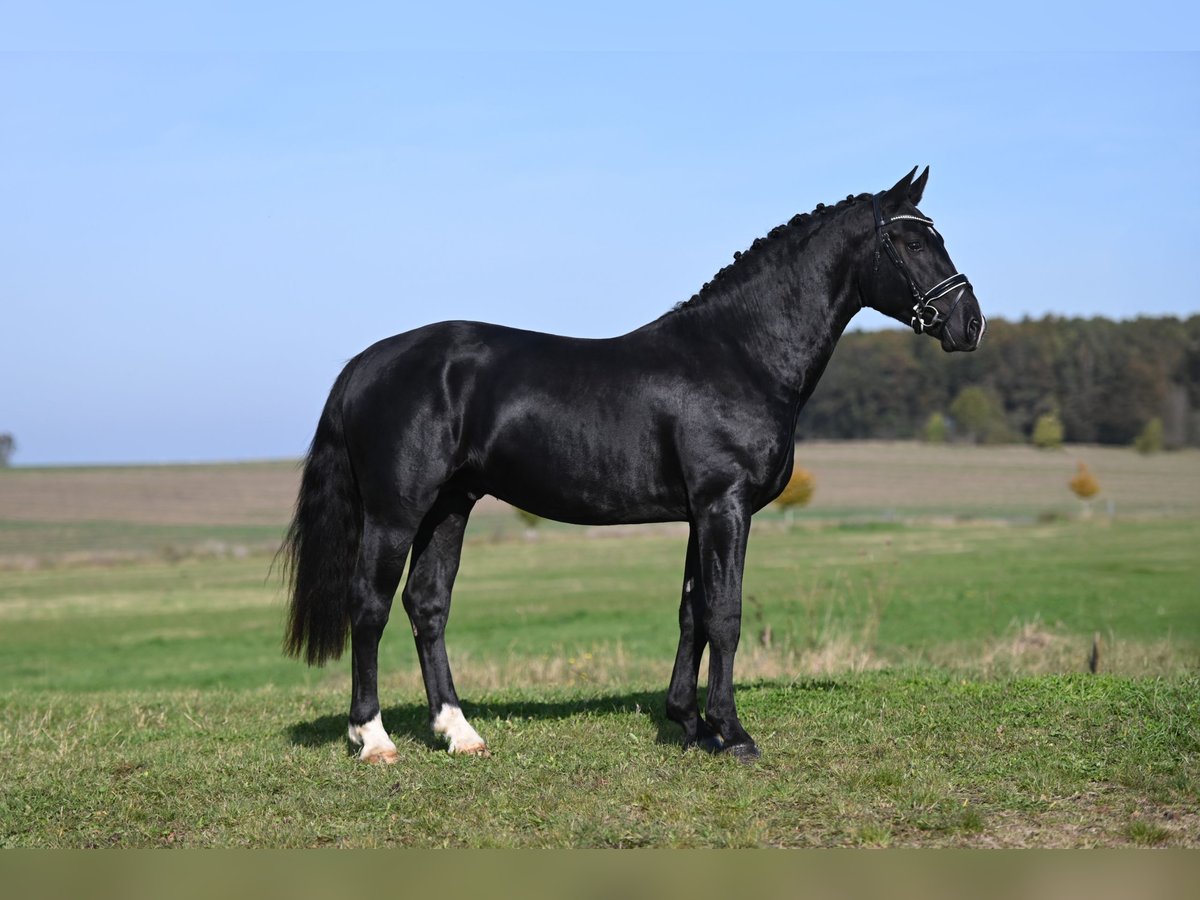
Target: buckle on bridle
<point x="919" y="322"/>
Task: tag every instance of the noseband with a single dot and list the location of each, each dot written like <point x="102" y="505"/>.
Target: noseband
<point x="925" y="315"/>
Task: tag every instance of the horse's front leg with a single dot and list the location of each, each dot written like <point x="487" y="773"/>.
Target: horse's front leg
<point x="722" y="528"/>
<point x="681" y="695"/>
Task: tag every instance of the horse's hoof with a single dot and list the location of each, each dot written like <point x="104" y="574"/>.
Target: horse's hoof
<point x="745" y="753"/>
<point x="711" y="743"/>
<point x="383" y="756"/>
<point x="481" y="750"/>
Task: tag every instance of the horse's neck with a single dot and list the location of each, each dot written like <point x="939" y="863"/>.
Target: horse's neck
<point x="785" y="324"/>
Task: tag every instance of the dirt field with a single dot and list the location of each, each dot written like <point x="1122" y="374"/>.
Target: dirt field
<point x="1008" y="480"/>
<point x="235" y="494"/>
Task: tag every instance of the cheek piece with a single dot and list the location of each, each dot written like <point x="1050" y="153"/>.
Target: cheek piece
<point x="925" y="315"/>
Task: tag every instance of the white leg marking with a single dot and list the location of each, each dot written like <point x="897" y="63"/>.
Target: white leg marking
<point x="451" y="724"/>
<point x="375" y="743"/>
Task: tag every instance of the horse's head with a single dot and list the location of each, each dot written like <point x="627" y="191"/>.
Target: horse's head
<point x="912" y="278"/>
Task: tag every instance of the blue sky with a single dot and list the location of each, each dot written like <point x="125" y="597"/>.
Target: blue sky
<point x="196" y="236"/>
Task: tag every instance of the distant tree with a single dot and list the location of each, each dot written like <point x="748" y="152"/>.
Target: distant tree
<point x="798" y="492"/>
<point x="1137" y="390"/>
<point x="1085" y="486"/>
<point x="1151" y="438"/>
<point x="1103" y="379"/>
<point x="971" y="411"/>
<point x="1176" y="418"/>
<point x="935" y="429"/>
<point x="877" y="390"/>
<point x="7" y="446"/>
<point x="980" y="414"/>
<point x="1048" y="432"/>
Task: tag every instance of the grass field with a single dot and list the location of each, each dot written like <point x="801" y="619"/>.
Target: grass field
<point x="914" y="667"/>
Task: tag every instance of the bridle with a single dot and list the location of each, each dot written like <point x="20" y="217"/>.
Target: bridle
<point x="925" y="315"/>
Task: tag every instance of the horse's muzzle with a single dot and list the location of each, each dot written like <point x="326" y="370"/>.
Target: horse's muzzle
<point x="965" y="327"/>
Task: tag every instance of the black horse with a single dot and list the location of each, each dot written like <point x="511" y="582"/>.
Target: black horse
<point x="689" y="418"/>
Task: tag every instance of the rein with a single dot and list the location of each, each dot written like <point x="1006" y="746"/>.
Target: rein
<point x="925" y="315"/>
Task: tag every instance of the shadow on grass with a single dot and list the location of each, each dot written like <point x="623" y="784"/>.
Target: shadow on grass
<point x="412" y="719"/>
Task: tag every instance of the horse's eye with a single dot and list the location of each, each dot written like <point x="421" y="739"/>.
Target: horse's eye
<point x="914" y="246"/>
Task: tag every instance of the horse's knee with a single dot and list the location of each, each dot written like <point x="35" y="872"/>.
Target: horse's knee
<point x="370" y="614"/>
<point x="724" y="631"/>
<point x="427" y="613"/>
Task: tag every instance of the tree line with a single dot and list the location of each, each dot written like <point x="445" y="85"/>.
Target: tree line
<point x="1105" y="381"/>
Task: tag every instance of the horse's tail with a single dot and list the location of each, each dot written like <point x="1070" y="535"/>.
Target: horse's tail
<point x="322" y="543"/>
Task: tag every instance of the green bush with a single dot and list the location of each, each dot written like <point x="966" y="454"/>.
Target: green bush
<point x="935" y="429"/>
<point x="979" y="414"/>
<point x="1151" y="438"/>
<point x="1048" y="432"/>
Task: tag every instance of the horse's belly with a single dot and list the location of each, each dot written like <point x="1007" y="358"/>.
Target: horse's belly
<point x="586" y="483"/>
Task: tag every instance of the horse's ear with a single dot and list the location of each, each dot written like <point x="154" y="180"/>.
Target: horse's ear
<point x="898" y="192"/>
<point x="917" y="189"/>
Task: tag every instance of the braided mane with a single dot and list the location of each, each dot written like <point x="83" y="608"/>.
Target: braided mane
<point x="746" y="260"/>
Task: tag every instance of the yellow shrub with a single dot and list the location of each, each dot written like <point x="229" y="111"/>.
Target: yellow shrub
<point x="1084" y="484"/>
<point x="799" y="489"/>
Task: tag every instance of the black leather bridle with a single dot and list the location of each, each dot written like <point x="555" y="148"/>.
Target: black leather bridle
<point x="925" y="315"/>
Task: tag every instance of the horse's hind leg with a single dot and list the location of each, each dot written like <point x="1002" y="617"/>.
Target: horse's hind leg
<point x="380" y="561"/>
<point x="436" y="553"/>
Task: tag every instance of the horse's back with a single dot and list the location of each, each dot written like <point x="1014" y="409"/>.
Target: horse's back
<point x="571" y="428"/>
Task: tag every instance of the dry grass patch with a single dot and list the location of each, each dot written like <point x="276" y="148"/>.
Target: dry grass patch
<point x="1103" y="815"/>
<point x="1037" y="649"/>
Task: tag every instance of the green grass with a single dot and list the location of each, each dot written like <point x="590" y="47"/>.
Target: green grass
<point x="923" y="685"/>
<point x="898" y="759"/>
<point x="980" y="598"/>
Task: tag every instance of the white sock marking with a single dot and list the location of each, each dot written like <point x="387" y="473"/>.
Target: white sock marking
<point x="372" y="737"/>
<point x="451" y="724"/>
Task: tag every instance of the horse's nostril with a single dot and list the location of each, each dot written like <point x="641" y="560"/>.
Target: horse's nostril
<point x="973" y="330"/>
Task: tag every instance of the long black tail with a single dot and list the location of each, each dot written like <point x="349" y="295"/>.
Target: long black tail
<point x="322" y="543"/>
